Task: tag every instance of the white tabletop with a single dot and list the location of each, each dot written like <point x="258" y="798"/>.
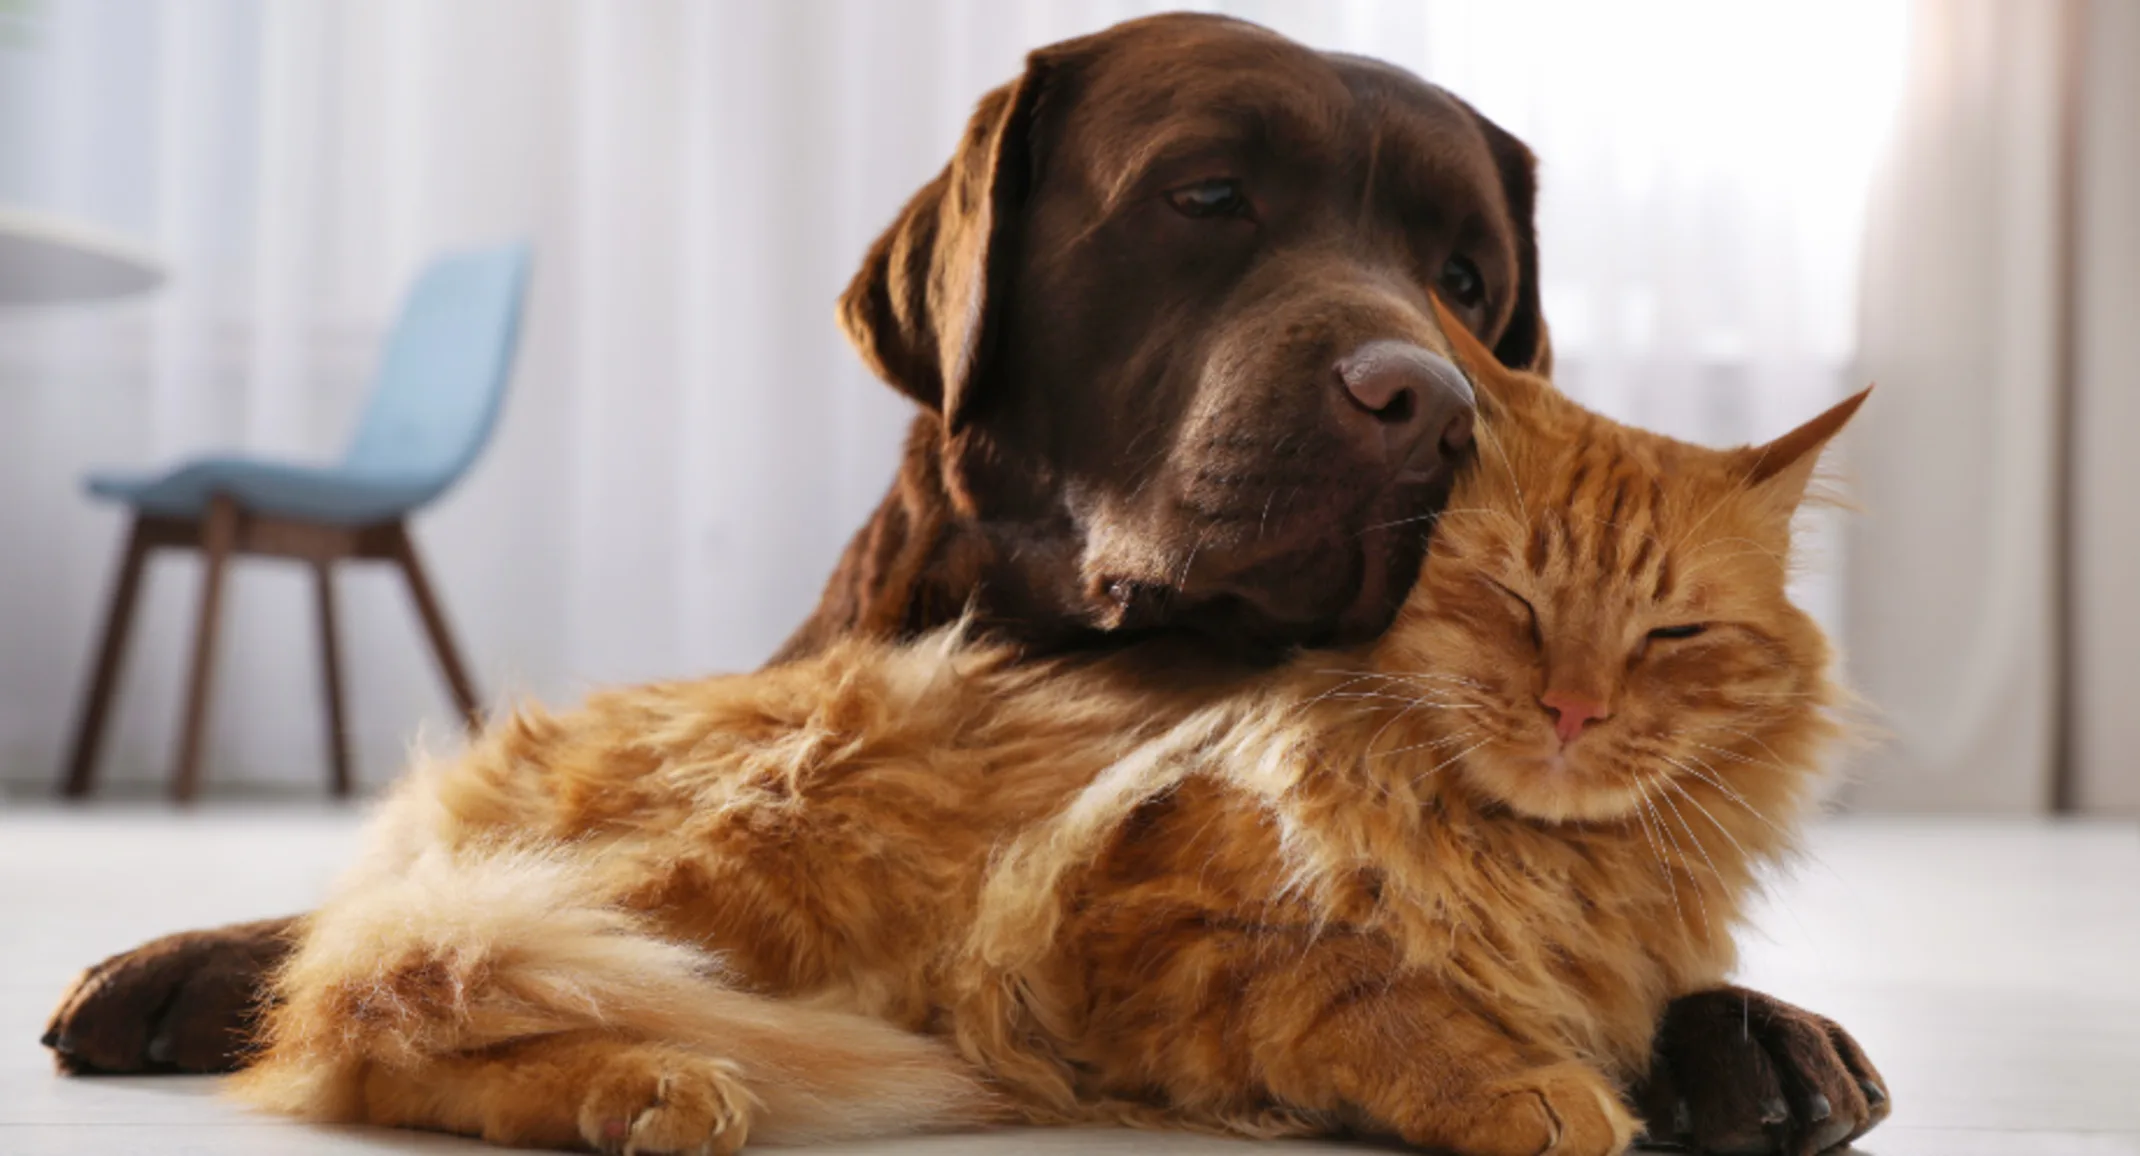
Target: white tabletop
<point x="46" y="259"/>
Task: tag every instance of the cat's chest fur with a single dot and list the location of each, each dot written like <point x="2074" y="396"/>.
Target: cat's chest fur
<point x="1575" y="937"/>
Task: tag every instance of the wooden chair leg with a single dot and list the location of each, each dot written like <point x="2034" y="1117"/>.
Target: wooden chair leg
<point x="81" y="772"/>
<point x="331" y="679"/>
<point x="218" y="533"/>
<point x="449" y="659"/>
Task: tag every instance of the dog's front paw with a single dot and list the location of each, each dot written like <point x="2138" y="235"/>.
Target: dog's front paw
<point x="657" y="1100"/>
<point x="1738" y="1073"/>
<point x="183" y="1003"/>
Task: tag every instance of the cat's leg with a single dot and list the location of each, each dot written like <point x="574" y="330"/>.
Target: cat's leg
<point x="607" y="1091"/>
<point x="1566" y="1107"/>
<point x="1335" y="1026"/>
<point x="1413" y="1062"/>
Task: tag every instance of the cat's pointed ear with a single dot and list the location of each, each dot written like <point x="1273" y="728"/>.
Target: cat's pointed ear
<point x="1783" y="468"/>
<point x="1498" y="387"/>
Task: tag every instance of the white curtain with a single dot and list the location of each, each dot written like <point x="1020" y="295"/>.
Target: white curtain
<point x="688" y="443"/>
<point x="2102" y="749"/>
<point x="1992" y="615"/>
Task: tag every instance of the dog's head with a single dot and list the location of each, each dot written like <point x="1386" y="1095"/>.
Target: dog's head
<point x="1170" y="304"/>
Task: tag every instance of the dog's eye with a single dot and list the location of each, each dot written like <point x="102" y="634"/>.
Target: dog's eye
<point x="1218" y="197"/>
<point x="1461" y="281"/>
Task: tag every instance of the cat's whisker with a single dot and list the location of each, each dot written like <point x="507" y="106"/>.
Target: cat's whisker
<point x="1395" y="718"/>
<point x="1448" y="513"/>
<point x="1407" y="700"/>
<point x="1752" y="547"/>
<point x="1684" y="793"/>
<point x="1686" y="866"/>
<point x="1431" y="744"/>
<point x="1356" y="678"/>
<point x="1805" y="853"/>
<point x="1401" y="677"/>
<point x="1711" y="777"/>
<point x="1404" y="694"/>
<point x="1699" y="847"/>
<point x="1735" y="756"/>
<point x="1745" y="856"/>
<point x="1436" y="768"/>
<point x="1657" y="849"/>
<point x="1429" y="677"/>
<point x="1417" y="704"/>
<point x="1487" y="438"/>
<point x="1342" y="687"/>
<point x="1694" y="883"/>
<point x="1756" y="740"/>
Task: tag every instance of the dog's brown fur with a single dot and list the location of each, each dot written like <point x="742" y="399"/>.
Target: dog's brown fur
<point x="896" y="887"/>
<point x="1126" y="423"/>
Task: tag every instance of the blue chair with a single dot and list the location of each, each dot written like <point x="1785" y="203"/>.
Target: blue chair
<point x="431" y="412"/>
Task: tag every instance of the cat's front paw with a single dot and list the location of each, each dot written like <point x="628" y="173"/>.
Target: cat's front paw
<point x="1562" y="1110"/>
<point x="651" y="1101"/>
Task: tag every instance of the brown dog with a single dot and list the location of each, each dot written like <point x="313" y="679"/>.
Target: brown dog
<point x="1165" y="309"/>
<point x="1163" y="312"/>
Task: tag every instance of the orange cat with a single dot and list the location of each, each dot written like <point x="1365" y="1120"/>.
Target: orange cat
<point x="1439" y="889"/>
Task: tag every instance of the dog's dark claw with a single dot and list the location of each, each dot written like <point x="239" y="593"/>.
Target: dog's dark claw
<point x="1828" y="1136"/>
<point x="1740" y="1074"/>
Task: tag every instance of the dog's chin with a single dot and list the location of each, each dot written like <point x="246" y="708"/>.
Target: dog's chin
<point x="1335" y="593"/>
<point x="1335" y="578"/>
<point x="1345" y="585"/>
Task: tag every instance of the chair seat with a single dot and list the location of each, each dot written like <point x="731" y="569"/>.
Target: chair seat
<point x="332" y="494"/>
<point x="433" y="404"/>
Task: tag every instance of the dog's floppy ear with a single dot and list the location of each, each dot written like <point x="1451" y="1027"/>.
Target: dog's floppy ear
<point x="921" y="309"/>
<point x="1524" y="343"/>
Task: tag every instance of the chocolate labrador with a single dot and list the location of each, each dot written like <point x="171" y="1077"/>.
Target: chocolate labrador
<point x="1166" y="317"/>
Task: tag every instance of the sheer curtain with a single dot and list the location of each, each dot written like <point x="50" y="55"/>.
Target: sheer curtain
<point x="1993" y="615"/>
<point x="688" y="442"/>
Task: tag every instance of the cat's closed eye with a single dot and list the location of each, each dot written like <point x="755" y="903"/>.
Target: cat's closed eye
<point x="1667" y="634"/>
<point x="1538" y="637"/>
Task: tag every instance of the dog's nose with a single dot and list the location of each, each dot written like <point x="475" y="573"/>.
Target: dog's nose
<point x="1412" y="396"/>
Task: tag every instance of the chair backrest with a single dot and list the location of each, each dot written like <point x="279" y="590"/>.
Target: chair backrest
<point x="442" y="377"/>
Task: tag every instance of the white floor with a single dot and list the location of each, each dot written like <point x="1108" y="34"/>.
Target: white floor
<point x="1992" y="971"/>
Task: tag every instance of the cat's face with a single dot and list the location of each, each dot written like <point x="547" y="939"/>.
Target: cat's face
<point x="1604" y="609"/>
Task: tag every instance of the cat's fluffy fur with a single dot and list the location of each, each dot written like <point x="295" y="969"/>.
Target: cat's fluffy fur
<point x="910" y="887"/>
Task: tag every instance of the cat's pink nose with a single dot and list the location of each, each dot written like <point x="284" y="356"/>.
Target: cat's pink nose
<point x="1571" y="712"/>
